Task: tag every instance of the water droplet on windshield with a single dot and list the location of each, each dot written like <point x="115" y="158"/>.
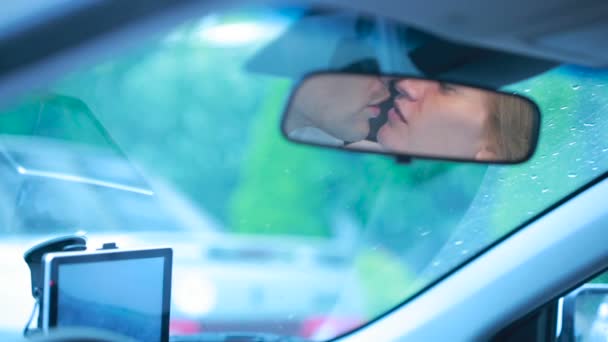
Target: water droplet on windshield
<point x="545" y="190"/>
<point x="458" y="243"/>
<point x="464" y="252"/>
<point x="572" y="175"/>
<point x="572" y="143"/>
<point x="533" y="177"/>
<point x="576" y="86"/>
<point x="572" y="129"/>
<point x="578" y="159"/>
<point x="527" y="90"/>
<point x="588" y="124"/>
<point x="436" y="263"/>
<point x="605" y="149"/>
<point x="563" y="107"/>
<point x="555" y="154"/>
<point x="590" y="161"/>
<point x="594" y="168"/>
<point x="425" y="233"/>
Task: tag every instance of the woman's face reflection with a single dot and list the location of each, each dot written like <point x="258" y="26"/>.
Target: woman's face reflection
<point x="433" y="118"/>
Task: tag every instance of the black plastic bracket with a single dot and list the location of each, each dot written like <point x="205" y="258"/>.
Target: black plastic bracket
<point x="33" y="256"/>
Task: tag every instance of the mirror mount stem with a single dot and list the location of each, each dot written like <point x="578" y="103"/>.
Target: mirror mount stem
<point x="403" y="160"/>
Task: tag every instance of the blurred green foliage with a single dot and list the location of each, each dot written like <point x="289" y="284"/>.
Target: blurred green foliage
<point x="601" y="279"/>
<point x="57" y="117"/>
<point x="390" y="283"/>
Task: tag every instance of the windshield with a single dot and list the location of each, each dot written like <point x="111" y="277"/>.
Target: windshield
<point x="182" y="148"/>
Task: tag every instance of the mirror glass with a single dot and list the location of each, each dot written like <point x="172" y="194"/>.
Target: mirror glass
<point x="412" y="117"/>
<point x="591" y="314"/>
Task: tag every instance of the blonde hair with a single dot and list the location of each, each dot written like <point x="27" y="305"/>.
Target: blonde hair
<point x="511" y="125"/>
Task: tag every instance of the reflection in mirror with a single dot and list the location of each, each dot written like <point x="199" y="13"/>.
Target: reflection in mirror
<point x="412" y="116"/>
<point x="335" y="109"/>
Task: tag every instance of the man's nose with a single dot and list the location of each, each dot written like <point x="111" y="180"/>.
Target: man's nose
<point x="415" y="89"/>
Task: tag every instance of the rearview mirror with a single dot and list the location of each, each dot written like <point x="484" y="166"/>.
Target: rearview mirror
<point x="412" y="117"/>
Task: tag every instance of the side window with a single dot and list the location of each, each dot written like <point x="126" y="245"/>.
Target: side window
<point x="582" y="315"/>
<point x="579" y="316"/>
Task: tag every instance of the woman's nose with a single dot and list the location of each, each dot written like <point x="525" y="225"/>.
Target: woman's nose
<point x="415" y="89"/>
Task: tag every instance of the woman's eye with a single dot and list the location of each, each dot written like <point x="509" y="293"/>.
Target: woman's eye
<point x="446" y="87"/>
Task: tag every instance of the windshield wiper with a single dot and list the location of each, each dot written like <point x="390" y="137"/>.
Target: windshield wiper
<point x="236" y="337"/>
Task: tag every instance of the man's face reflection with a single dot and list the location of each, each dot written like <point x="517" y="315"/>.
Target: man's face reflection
<point x="339" y="105"/>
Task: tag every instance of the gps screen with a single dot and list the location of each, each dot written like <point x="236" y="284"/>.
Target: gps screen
<point x="124" y="296"/>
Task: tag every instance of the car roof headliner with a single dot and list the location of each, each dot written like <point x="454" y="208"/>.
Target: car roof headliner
<point x="564" y="30"/>
<point x="44" y="47"/>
